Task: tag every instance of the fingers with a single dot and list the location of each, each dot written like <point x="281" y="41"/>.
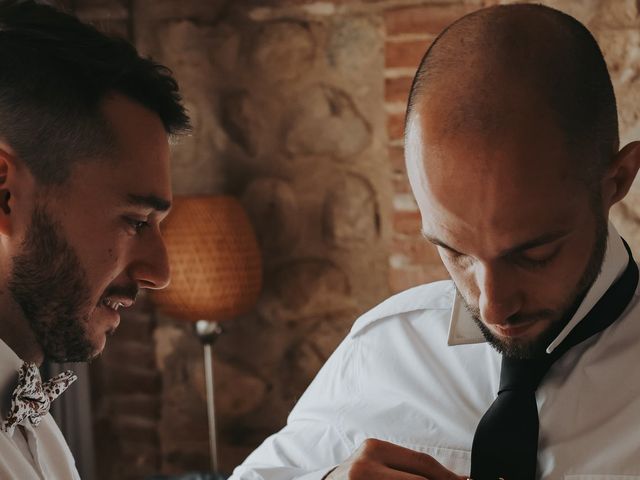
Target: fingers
<point x="380" y="460"/>
<point x="409" y="462"/>
<point x="368" y="470"/>
<point x="377" y="459"/>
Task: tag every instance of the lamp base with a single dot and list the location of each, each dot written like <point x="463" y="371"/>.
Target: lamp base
<point x="208" y="332"/>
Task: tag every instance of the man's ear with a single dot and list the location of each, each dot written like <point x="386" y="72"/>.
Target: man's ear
<point x="7" y="170"/>
<point x="621" y="174"/>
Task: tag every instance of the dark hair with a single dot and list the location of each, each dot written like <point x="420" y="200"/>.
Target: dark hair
<point x="561" y="63"/>
<point x="55" y="71"/>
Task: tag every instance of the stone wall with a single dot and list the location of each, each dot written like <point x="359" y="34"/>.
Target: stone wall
<point x="288" y="123"/>
<point x="298" y="109"/>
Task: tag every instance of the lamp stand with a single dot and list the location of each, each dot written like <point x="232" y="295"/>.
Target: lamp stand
<point x="208" y="332"/>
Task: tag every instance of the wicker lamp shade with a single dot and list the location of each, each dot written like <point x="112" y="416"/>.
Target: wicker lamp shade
<point x="216" y="269"/>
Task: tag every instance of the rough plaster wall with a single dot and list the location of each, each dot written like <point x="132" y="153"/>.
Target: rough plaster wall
<point x="298" y="109"/>
<point x="287" y="117"/>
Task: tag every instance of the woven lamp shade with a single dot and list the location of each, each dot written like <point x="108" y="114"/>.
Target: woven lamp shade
<point x="216" y="268"/>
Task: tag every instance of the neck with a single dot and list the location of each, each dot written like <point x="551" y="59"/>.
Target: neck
<point x="16" y="332"/>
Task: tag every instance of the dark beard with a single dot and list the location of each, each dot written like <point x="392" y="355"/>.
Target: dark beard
<point x="51" y="287"/>
<point x="537" y="347"/>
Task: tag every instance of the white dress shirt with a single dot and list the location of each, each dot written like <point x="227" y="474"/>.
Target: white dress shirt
<point x="416" y="371"/>
<point x="30" y="453"/>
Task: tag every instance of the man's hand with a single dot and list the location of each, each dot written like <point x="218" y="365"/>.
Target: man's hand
<point x="378" y="460"/>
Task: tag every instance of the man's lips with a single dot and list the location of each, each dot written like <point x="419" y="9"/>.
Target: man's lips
<point x="114" y="319"/>
<point x="513" y="331"/>
<point x="116" y="302"/>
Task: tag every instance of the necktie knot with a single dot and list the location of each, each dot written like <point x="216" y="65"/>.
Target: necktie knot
<point x="523" y="374"/>
<point x="31" y="399"/>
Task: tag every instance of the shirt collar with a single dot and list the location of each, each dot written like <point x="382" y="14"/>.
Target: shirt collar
<point x="10" y="364"/>
<point x="463" y="329"/>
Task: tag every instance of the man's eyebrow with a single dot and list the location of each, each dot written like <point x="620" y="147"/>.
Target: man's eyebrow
<point x="535" y="242"/>
<point x="149" y="201"/>
<point x="437" y="242"/>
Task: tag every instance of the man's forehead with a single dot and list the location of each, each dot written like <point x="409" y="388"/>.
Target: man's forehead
<point x="493" y="194"/>
<point x="449" y="140"/>
<point x="138" y="171"/>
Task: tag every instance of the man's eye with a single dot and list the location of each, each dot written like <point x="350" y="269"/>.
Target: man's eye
<point x="454" y="256"/>
<point x="538" y="259"/>
<point x="535" y="264"/>
<point x="136" y="224"/>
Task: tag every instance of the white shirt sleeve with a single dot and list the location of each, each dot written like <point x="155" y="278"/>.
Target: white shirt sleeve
<point x="312" y="443"/>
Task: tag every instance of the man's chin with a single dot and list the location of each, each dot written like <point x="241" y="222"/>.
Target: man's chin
<point x="94" y="356"/>
<point x="519" y="341"/>
<point x="97" y="347"/>
<point x="80" y="351"/>
<point x="512" y="348"/>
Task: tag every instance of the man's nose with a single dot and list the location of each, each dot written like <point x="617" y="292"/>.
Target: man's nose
<point x="150" y="268"/>
<point x="499" y="295"/>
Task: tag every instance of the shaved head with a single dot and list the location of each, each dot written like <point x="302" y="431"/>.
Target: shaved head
<point x="512" y="154"/>
<point x="491" y="68"/>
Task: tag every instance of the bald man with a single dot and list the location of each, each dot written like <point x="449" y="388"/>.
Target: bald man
<point x="522" y="366"/>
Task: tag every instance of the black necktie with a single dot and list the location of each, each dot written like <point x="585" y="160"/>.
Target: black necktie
<point x="505" y="444"/>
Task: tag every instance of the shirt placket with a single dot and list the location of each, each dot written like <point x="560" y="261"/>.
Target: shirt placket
<point x="34" y="448"/>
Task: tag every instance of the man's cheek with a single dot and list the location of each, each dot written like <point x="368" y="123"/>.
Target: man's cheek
<point x="464" y="281"/>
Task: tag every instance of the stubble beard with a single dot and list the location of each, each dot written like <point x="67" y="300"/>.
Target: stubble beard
<point x="50" y="285"/>
<point x="535" y="348"/>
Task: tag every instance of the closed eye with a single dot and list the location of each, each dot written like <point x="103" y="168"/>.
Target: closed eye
<point x="455" y="257"/>
<point x="538" y="257"/>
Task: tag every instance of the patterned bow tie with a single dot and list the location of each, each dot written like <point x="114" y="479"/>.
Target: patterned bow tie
<point x="31" y="399"/>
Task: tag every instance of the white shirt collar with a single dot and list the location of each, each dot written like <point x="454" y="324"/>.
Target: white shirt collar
<point x="10" y="364"/>
<point x="463" y="329"/>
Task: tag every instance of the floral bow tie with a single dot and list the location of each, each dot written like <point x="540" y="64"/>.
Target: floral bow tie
<point x="31" y="399"/>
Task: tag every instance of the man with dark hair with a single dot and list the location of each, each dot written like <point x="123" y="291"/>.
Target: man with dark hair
<point x="517" y="368"/>
<point x="85" y="124"/>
